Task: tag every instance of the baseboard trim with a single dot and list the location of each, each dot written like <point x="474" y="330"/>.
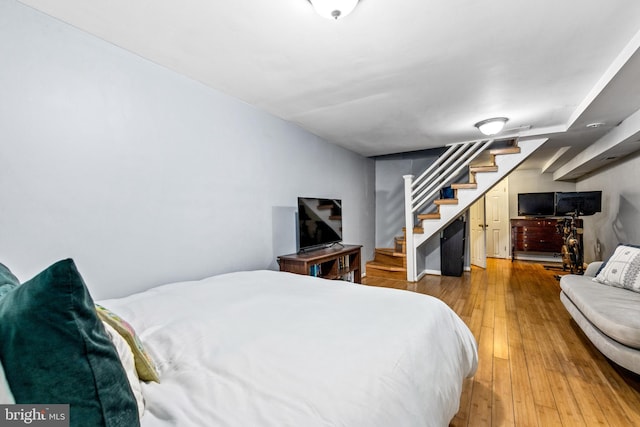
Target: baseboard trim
<point x="431" y="272"/>
<point x="437" y="272"/>
<point x="539" y="258"/>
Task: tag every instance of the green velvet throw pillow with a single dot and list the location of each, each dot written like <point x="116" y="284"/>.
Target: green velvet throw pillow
<point x="55" y="350"/>
<point x="7" y="280"/>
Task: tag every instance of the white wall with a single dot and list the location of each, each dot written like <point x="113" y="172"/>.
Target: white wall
<point x="144" y="176"/>
<point x="619" y="221"/>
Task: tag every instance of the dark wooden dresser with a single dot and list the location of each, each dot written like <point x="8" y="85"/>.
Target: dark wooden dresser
<point x="537" y="235"/>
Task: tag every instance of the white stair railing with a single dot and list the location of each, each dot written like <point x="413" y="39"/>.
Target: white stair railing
<point x="426" y="187"/>
<point x="443" y="172"/>
<point x="447" y="168"/>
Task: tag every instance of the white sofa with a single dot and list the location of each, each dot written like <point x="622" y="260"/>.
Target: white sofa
<point x="608" y="315"/>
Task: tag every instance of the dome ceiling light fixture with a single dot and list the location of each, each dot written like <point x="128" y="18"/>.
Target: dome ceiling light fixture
<point x="333" y="9"/>
<point x="491" y="126"/>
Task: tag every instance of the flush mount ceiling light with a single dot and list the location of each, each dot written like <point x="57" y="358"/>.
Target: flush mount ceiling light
<point x="333" y="9"/>
<point x="492" y="126"/>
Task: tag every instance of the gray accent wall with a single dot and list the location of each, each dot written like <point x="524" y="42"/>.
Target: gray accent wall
<point x="619" y="221"/>
<point x="144" y="176"/>
<point x="390" y="190"/>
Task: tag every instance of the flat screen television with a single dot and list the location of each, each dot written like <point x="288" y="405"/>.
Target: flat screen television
<point x="536" y="204"/>
<point x="319" y="223"/>
<point x="583" y="203"/>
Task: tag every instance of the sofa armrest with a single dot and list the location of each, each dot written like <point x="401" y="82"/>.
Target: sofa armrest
<point x="592" y="269"/>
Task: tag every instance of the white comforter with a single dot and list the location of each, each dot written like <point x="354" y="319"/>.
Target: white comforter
<point x="266" y="348"/>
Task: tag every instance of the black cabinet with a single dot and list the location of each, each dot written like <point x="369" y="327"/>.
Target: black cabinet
<point x="452" y="249"/>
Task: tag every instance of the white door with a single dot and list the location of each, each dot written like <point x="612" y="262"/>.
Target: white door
<point x="497" y="220"/>
<point x="477" y="227"/>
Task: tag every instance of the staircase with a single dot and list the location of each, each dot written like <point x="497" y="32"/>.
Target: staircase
<point x="469" y="170"/>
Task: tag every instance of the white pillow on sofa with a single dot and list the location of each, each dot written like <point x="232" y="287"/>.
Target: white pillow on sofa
<point x="6" y="397"/>
<point x="622" y="270"/>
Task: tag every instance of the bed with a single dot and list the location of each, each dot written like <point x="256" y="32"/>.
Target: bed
<point x="266" y="348"/>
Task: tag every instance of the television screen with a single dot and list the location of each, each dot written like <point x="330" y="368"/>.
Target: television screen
<point x="319" y="222"/>
<point x="536" y="204"/>
<point x="580" y="202"/>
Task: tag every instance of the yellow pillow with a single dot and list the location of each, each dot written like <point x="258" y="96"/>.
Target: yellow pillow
<point x="144" y="364"/>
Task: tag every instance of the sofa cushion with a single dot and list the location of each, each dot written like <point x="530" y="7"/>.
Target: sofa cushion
<point x="614" y="311"/>
<point x="622" y="269"/>
<point x="593" y="269"/>
<point x="625" y="356"/>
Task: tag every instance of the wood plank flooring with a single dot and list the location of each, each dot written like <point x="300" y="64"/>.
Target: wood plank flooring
<point x="536" y="367"/>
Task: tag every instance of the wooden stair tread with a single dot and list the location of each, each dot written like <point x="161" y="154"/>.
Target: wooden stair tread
<point x="391" y="252"/>
<point x="464" y="185"/>
<point x="445" y="201"/>
<point x="416" y="230"/>
<point x="487" y="168"/>
<point x="385" y="267"/>
<point x="391" y="258"/>
<point x="434" y="215"/>
<point x="506" y="150"/>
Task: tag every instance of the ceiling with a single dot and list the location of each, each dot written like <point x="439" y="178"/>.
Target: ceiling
<point x="397" y="76"/>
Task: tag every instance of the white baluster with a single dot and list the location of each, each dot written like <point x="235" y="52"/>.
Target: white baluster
<point x="408" y="219"/>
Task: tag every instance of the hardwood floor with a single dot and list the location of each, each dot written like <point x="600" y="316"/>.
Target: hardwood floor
<point x="536" y="367"/>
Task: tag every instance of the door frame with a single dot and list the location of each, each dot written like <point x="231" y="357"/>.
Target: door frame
<point x="477" y="232"/>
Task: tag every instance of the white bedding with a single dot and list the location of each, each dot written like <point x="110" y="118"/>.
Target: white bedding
<point x="266" y="348"/>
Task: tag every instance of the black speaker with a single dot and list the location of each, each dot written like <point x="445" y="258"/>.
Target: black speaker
<point x="452" y="248"/>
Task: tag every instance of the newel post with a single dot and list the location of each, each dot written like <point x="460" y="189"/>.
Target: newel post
<point x="408" y="219"/>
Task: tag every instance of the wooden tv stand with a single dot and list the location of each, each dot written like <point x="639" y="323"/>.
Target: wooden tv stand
<point x="337" y="262"/>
